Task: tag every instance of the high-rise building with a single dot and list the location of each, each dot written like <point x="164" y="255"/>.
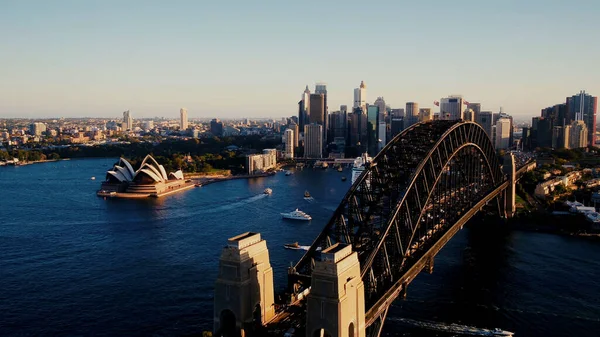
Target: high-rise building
<point x="216" y="127"/>
<point x="338" y="122"/>
<point x="484" y="119"/>
<point x="321" y="88"/>
<point x="317" y="109"/>
<point x="296" y="130"/>
<point x="543" y="130"/>
<point x="451" y="108"/>
<point x="397" y="126"/>
<point x="396" y="113"/>
<point x="289" y="143"/>
<point x="304" y="109"/>
<point x="382" y="134"/>
<point x="583" y="107"/>
<point x="469" y="115"/>
<point x="578" y="135"/>
<point x="526" y="138"/>
<point x="380" y="103"/>
<point x="313" y="140"/>
<point x="37" y="128"/>
<point x="183" y="119"/>
<point x="476" y="107"/>
<point x="425" y="115"/>
<point x="127" y="121"/>
<point x="358" y="129"/>
<point x="503" y="131"/>
<point x="360" y="96"/>
<point x="560" y="137"/>
<point x="411" y="115"/>
<point x="372" y="129"/>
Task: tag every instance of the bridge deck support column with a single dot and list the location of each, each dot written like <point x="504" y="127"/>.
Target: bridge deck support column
<point x="336" y="303"/>
<point x="244" y="288"/>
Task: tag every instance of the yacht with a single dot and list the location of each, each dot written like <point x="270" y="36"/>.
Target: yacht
<point x="296" y="215"/>
<point x="359" y="166"/>
<point x="306" y="194"/>
<point x="268" y="191"/>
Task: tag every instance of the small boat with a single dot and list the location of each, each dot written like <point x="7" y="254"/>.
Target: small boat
<point x="294" y="245"/>
<point x="288" y="173"/>
<point x="93" y="178"/>
<point x="268" y="191"/>
<point x="296" y="215"/>
<point x="340" y="169"/>
<point x="344" y="178"/>
<point x="306" y="194"/>
<point x="325" y="165"/>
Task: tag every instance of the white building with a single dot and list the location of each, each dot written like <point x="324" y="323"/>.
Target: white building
<point x="451" y="108"/>
<point x="183" y="119"/>
<point x="360" y="96"/>
<point x="503" y="129"/>
<point x="148" y="125"/>
<point x="261" y="162"/>
<point x="289" y="143"/>
<point x="37" y="128"/>
<point x="127" y="121"/>
<point x="313" y="141"/>
<point x="578" y="135"/>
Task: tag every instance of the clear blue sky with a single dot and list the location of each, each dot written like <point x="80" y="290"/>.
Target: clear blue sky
<point x="253" y="58"/>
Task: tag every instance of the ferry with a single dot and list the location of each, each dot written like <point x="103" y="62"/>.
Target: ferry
<point x="454" y="328"/>
<point x="359" y="166"/>
<point x="296" y="215"/>
<point x="268" y="191"/>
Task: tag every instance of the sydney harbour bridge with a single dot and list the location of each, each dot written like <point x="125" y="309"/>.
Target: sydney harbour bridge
<point x="417" y="192"/>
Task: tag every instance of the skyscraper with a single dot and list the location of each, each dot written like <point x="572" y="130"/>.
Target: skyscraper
<point x="127" y="121"/>
<point x="338" y="123"/>
<point x="380" y="103"/>
<point x="296" y="129"/>
<point x="425" y="115"/>
<point x="304" y="109"/>
<point x="476" y="107"/>
<point x="317" y="109"/>
<point x="560" y="137"/>
<point x="503" y="131"/>
<point x="583" y="107"/>
<point x="183" y="119"/>
<point x="411" y="114"/>
<point x="37" y="128"/>
<point x="372" y="130"/>
<point x="216" y="127"/>
<point x="321" y="88"/>
<point x="451" y="108"/>
<point x="360" y="96"/>
<point x="397" y="126"/>
<point x="578" y="135"/>
<point x="289" y="143"/>
<point x="313" y="140"/>
<point x="358" y="129"/>
<point x="484" y="119"/>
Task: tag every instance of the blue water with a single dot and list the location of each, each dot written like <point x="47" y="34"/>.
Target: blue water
<point x="75" y="264"/>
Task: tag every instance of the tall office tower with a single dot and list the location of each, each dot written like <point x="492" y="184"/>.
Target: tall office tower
<point x="469" y="115"/>
<point x="296" y="129"/>
<point x="411" y="115"/>
<point x="484" y="119"/>
<point x="578" y="135"/>
<point x="372" y="130"/>
<point x="503" y="131"/>
<point x="358" y="129"/>
<point x="304" y="109"/>
<point x="396" y="113"/>
<point x="425" y="115"/>
<point x="183" y="119"/>
<point x="321" y="88"/>
<point x="476" y="107"/>
<point x="317" y="109"/>
<point x="557" y="114"/>
<point x="37" y="128"/>
<point x="313" y="140"/>
<point x="397" y="126"/>
<point x="380" y="103"/>
<point x="127" y="121"/>
<point x="360" y="96"/>
<point x="560" y="137"/>
<point x="289" y="143"/>
<point x="216" y="127"/>
<point x="583" y="107"/>
<point x="544" y="132"/>
<point x="451" y="108"/>
<point x="382" y="134"/>
<point x="338" y="124"/>
<point x="526" y="138"/>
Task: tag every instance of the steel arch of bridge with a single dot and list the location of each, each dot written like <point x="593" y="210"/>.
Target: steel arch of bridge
<point x="426" y="180"/>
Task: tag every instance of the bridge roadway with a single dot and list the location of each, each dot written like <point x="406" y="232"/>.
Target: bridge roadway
<point x="292" y="315"/>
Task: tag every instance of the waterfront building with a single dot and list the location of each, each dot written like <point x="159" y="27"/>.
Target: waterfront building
<point x="451" y="108"/>
<point x="425" y="115"/>
<point x="360" y="97"/>
<point x="183" y="119"/>
<point x="289" y="143"/>
<point x="484" y="119"/>
<point x="216" y="127"/>
<point x="257" y="163"/>
<point x="127" y="121"/>
<point x="503" y="131"/>
<point x="37" y="128"/>
<point x="578" y="135"/>
<point x="313" y="140"/>
<point x="411" y="114"/>
<point x="583" y="107"/>
<point x="151" y="179"/>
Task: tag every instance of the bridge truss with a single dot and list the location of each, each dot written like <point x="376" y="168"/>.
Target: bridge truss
<point x="416" y="193"/>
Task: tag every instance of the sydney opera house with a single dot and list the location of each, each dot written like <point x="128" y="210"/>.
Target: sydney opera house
<point x="150" y="180"/>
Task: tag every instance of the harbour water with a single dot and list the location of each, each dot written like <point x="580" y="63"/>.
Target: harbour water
<point x="72" y="263"/>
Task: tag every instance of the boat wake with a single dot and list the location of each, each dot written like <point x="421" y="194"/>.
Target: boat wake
<point x="452" y="328"/>
<point x="300" y="247"/>
<point x="309" y="199"/>
<point x="237" y="204"/>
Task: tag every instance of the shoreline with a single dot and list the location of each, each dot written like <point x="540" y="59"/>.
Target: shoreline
<point x="25" y="163"/>
<point x="203" y="181"/>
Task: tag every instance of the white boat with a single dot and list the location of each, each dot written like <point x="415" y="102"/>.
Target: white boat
<point x="359" y="166"/>
<point x="268" y="191"/>
<point x="296" y="215"/>
<point x="288" y="173"/>
<point x="93" y="178"/>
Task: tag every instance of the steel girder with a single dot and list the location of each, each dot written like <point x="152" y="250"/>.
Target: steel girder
<point x="405" y="200"/>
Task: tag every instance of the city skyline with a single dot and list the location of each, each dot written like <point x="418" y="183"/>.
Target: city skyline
<point x="154" y="58"/>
